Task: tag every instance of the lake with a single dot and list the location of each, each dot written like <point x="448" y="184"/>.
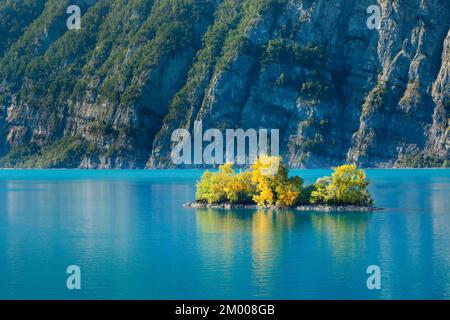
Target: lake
<point x="132" y="239"/>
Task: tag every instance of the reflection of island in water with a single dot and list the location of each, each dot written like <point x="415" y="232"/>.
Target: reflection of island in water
<point x="228" y="235"/>
<point x="344" y="232"/>
<point x="270" y="224"/>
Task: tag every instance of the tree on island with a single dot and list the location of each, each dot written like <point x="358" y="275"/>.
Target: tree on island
<point x="347" y="186"/>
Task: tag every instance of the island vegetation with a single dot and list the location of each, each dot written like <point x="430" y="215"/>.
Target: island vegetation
<point x="347" y="186"/>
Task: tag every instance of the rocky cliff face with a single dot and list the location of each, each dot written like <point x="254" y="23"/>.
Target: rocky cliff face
<point x="397" y="125"/>
<point x="111" y="94"/>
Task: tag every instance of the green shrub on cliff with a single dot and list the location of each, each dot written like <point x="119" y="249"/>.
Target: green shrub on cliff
<point x="288" y="53"/>
<point x="64" y="153"/>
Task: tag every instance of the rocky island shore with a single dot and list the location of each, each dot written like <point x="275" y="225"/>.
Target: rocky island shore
<point x="306" y="207"/>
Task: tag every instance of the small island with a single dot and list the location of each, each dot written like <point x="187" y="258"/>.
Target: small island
<point x="267" y="185"/>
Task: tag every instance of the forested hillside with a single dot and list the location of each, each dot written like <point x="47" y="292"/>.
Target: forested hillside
<point x="110" y="94"/>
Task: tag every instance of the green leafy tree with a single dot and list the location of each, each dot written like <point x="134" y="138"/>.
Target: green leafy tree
<point x="319" y="193"/>
<point x="211" y="187"/>
<point x="348" y="185"/>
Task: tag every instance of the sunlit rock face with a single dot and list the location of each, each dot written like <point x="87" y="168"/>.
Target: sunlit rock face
<point x="111" y="94"/>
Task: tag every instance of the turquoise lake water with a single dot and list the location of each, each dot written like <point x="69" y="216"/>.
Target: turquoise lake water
<point x="131" y="237"/>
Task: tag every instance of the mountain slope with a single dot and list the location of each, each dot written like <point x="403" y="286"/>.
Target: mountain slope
<point x="111" y="94"/>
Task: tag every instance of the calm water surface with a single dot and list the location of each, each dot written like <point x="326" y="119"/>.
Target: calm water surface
<point x="132" y="238"/>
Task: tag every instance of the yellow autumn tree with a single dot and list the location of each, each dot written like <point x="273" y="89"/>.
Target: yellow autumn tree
<point x="240" y="189"/>
<point x="263" y="172"/>
<point x="288" y="193"/>
<point x="273" y="186"/>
